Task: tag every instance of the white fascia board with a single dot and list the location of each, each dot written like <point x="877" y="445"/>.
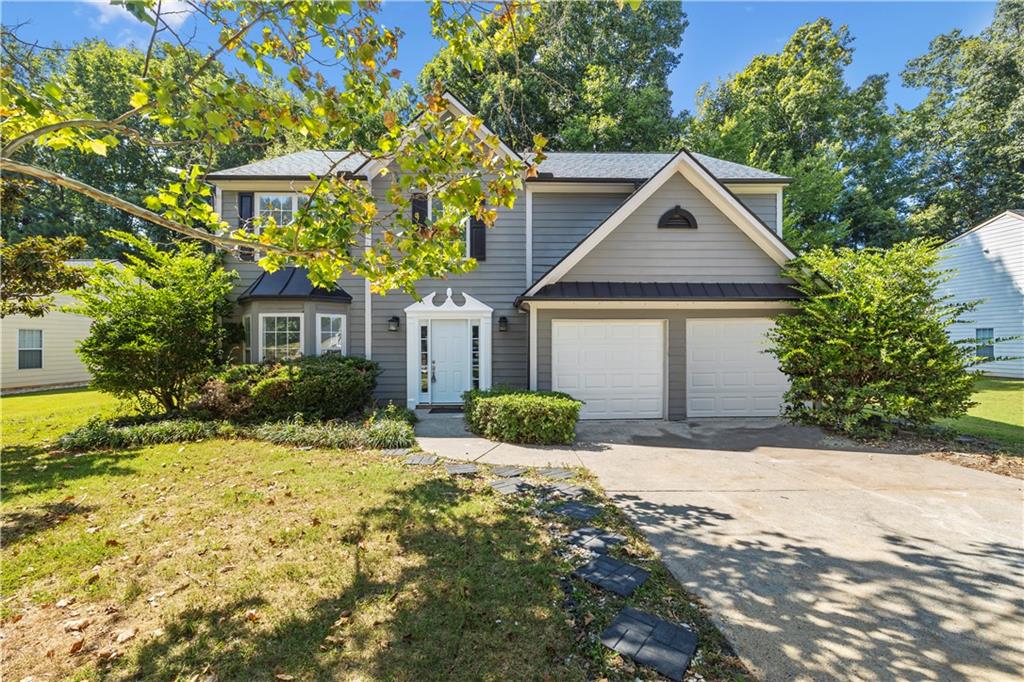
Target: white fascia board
<point x="581" y="187"/>
<point x="754" y="187"/>
<point x="261" y="185"/>
<point x="657" y="305"/>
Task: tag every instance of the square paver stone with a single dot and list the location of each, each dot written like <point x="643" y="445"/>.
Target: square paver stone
<point x="651" y="641"/>
<point x="596" y="540"/>
<point x="568" y="490"/>
<point x="509" y="472"/>
<point x="421" y="460"/>
<point x="510" y="486"/>
<point x="461" y="469"/>
<point x="556" y="474"/>
<point x="396" y="452"/>
<point x="577" y="510"/>
<point x="613" y="575"/>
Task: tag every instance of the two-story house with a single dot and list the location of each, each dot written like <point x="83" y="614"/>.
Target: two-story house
<point x="641" y="283"/>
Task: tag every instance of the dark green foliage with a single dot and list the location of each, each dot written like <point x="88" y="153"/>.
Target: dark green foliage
<point x="517" y="416"/>
<point x="867" y="347"/>
<point x="156" y="330"/>
<point x="99" y="434"/>
<point x="324" y="387"/>
<point x="34" y="270"/>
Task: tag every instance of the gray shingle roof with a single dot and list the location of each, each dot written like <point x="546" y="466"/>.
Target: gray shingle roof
<point x="672" y="291"/>
<point x="623" y="166"/>
<point x="639" y="166"/>
<point x="290" y="283"/>
<point x="297" y="165"/>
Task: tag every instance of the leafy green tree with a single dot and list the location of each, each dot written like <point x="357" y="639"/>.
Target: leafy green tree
<point x="966" y="138"/>
<point x="594" y="76"/>
<point x="156" y="330"/>
<point x="335" y="58"/>
<point x="34" y="270"/>
<point x="867" y="346"/>
<point x="793" y="113"/>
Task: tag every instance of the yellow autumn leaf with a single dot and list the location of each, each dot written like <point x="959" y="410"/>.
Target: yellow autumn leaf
<point x="139" y="99"/>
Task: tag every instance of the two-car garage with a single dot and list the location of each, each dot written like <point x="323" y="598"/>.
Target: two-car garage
<point x="632" y="368"/>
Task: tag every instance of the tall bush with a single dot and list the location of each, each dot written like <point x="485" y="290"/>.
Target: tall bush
<point x="867" y="346"/>
<point x="156" y="330"/>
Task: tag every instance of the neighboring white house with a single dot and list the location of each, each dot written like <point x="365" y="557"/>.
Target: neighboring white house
<point x="39" y="352"/>
<point x="988" y="262"/>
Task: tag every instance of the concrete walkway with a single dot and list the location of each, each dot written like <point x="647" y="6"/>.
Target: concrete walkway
<point x="818" y="559"/>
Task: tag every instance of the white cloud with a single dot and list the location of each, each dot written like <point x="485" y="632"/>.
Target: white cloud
<point x="174" y="13"/>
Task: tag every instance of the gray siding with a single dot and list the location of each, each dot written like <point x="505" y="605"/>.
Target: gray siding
<point x="562" y="220"/>
<point x="763" y="206"/>
<point x="676" y="366"/>
<point x="717" y="251"/>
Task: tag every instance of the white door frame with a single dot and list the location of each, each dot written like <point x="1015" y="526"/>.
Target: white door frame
<point x="424" y="311"/>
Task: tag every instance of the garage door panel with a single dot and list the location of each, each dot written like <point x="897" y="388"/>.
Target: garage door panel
<point x="728" y="372"/>
<point x="616" y="367"/>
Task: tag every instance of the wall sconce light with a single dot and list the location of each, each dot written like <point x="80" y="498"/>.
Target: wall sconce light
<point x="502" y="324"/>
<point x="393" y="324"/>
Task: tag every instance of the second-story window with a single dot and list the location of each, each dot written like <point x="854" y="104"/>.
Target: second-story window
<point x="280" y="207"/>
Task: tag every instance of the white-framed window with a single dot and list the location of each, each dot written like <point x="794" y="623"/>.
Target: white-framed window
<point x="424" y="349"/>
<point x="247" y="339"/>
<point x="281" y="336"/>
<point x="30" y="349"/>
<point x="984" y="336"/>
<point x="330" y="333"/>
<point x="474" y="350"/>
<point x="281" y="206"/>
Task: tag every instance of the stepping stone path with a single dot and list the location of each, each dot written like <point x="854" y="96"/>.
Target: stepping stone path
<point x="613" y="575"/>
<point x="556" y="474"/>
<point x="568" y="490"/>
<point x="510" y="486"/>
<point x="596" y="540"/>
<point x="651" y="641"/>
<point x="461" y="469"/>
<point x="509" y="472"/>
<point x="577" y="510"/>
<point x="396" y="452"/>
<point x="421" y="460"/>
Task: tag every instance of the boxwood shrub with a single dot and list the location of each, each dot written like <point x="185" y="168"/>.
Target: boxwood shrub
<point x="518" y="416"/>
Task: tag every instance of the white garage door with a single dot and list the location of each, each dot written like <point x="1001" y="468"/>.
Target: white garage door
<point x="727" y="374"/>
<point x="617" y="367"/>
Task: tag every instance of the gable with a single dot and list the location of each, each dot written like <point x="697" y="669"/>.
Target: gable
<point x="638" y="250"/>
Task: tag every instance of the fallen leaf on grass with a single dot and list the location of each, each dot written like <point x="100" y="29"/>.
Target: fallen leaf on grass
<point x="283" y="676"/>
<point x="65" y="602"/>
<point x="77" y="645"/>
<point x="252" y="616"/>
<point x="92" y="529"/>
<point x="112" y="543"/>
<point x="316" y="521"/>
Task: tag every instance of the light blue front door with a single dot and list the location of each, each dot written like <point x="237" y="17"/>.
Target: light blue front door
<point x="449" y="346"/>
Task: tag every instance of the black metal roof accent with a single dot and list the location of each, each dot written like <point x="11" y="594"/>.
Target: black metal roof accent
<point x="666" y="291"/>
<point x="290" y="283"/>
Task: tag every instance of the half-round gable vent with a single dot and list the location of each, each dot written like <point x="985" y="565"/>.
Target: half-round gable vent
<point x="677" y="218"/>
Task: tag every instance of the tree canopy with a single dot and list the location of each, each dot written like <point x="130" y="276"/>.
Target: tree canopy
<point x="593" y="76"/>
<point x="335" y="61"/>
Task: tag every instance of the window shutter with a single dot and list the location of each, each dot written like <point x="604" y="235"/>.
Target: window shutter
<point x="477" y="239"/>
<point x="245" y="215"/>
<point x="419" y="209"/>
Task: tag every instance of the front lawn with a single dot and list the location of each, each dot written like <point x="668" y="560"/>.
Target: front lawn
<point x="998" y="416"/>
<point x="243" y="560"/>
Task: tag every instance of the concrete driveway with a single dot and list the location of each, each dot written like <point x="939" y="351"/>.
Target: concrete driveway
<point x="818" y="560"/>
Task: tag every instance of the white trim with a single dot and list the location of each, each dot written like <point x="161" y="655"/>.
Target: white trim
<point x="529" y="236"/>
<point x="533" y="348"/>
<point x="778" y="212"/>
<point x="707" y="185"/>
<point x="261" y="184"/>
<point x="218" y="202"/>
<point x="247" y="344"/>
<point x="754" y="187"/>
<point x="302" y="334"/>
<point x="344" y="332"/>
<point x="581" y="187"/>
<point x="473" y="311"/>
<point x="659" y="305"/>
<point x="256" y="196"/>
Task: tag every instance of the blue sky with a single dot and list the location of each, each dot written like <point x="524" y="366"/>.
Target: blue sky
<point x="721" y="39"/>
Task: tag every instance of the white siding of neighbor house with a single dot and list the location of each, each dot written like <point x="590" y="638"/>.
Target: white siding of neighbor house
<point x="638" y="251"/>
<point x="61" y="364"/>
<point x="988" y="263"/>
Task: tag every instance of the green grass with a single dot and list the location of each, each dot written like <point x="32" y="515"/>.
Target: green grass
<point x="998" y="416"/>
<point x="248" y="560"/>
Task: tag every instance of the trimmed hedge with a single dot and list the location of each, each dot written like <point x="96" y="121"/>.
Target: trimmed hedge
<point x="324" y="387"/>
<point x="518" y="416"/>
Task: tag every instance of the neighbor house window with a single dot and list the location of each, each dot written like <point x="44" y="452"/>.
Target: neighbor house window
<point x="984" y="336"/>
<point x="30" y="348"/>
<point x="281" y="336"/>
<point x="330" y="334"/>
<point x="247" y="339"/>
<point x="280" y="207"/>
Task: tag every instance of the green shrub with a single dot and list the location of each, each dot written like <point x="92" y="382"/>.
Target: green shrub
<point x="98" y="434"/>
<point x="387" y="432"/>
<point x="517" y="416"/>
<point x="393" y="411"/>
<point x="379" y="434"/>
<point x="867" y="346"/>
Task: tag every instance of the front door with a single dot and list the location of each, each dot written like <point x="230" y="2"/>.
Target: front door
<point x="449" y="351"/>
